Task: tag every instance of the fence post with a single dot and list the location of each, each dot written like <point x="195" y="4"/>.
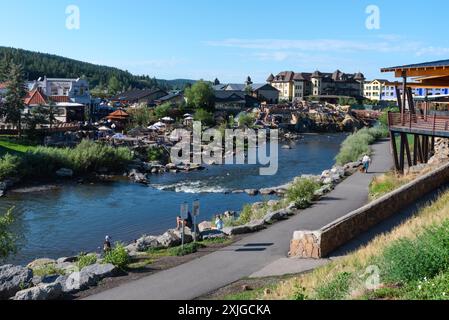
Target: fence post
<point x="434" y="122"/>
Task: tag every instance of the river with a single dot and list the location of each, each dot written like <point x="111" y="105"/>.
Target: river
<point x="75" y="218"/>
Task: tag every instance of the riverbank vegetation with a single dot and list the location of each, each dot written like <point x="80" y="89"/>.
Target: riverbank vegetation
<point x="358" y="144"/>
<point x="7" y="238"/>
<point x="410" y="262"/>
<point x="42" y="162"/>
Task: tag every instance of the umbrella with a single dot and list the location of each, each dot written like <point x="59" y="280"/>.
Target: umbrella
<point x="104" y="128"/>
<point x="167" y="119"/>
<point x="189" y="118"/>
<point x="159" y="124"/>
<point x="187" y="115"/>
<point x="118" y="136"/>
<point x="154" y="128"/>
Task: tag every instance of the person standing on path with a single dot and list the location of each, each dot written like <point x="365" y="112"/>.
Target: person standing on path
<point x="366" y="161"/>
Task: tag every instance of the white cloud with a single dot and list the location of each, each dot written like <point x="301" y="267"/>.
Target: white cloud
<point x="378" y="44"/>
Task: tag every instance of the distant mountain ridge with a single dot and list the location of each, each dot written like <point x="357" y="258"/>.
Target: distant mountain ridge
<point x="37" y="64"/>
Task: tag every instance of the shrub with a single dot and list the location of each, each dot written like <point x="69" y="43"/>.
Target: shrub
<point x="118" y="256"/>
<point x="246" y="214"/>
<point x="426" y="256"/>
<point x="336" y="289"/>
<point x="9" y="166"/>
<point x="357" y="144"/>
<point x="156" y="154"/>
<point x="204" y="116"/>
<point x="85" y="260"/>
<point x="434" y="289"/>
<point x="48" y="270"/>
<point x="7" y="238"/>
<point x="302" y="192"/>
<point x="188" y="249"/>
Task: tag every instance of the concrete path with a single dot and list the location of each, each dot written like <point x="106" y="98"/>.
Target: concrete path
<point x="259" y="252"/>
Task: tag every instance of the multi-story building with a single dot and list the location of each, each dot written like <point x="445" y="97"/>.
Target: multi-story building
<point x="297" y="86"/>
<point x="384" y="90"/>
<point x="261" y="91"/>
<point x="77" y="90"/>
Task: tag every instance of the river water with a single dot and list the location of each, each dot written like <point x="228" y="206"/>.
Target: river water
<point x="75" y="218"/>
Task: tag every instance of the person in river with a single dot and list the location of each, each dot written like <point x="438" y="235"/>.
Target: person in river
<point x="107" y="244"/>
<point x="366" y="161"/>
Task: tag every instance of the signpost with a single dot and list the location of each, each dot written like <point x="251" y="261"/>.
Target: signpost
<point x="196" y="213"/>
<point x="184" y="210"/>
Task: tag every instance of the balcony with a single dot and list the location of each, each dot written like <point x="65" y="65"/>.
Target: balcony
<point x="428" y="125"/>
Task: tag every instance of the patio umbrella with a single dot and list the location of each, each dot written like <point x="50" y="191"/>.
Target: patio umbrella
<point x="159" y="124"/>
<point x="104" y="129"/>
<point x="167" y="119"/>
<point x="153" y="128"/>
<point x="187" y="115"/>
<point x="189" y="118"/>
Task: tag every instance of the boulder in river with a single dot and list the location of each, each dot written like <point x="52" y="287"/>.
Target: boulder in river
<point x="252" y="192"/>
<point x="13" y="279"/>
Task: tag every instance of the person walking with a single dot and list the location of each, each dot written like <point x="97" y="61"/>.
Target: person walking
<point x="366" y="161"/>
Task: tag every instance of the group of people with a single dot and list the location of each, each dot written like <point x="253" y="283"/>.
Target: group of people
<point x="219" y="223"/>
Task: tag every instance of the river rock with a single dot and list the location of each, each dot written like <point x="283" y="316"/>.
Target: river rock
<point x="267" y="191"/>
<point x="257" y="205"/>
<point x="231" y="231"/>
<point x="230" y="214"/>
<point x="147" y="242"/>
<point x="272" y="203"/>
<point x="13" y="279"/>
<point x="204" y="226"/>
<point x="212" y="234"/>
<point x="88" y="276"/>
<point x="67" y="259"/>
<point x="39" y="263"/>
<point x="238" y="191"/>
<point x="169" y="239"/>
<point x="276" y="215"/>
<point x="138" y="177"/>
<point x="64" y="173"/>
<point x="252" y="192"/>
<point x="256" y="225"/>
<point x="50" y="291"/>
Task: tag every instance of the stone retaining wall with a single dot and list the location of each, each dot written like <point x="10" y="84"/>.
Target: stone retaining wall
<point x="320" y="243"/>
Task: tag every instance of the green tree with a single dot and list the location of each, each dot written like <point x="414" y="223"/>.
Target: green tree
<point x="14" y="98"/>
<point x="204" y="116"/>
<point x="162" y="110"/>
<point x="200" y="96"/>
<point x="7" y="239"/>
<point x="141" y="116"/>
<point x="114" y="85"/>
<point x="46" y="113"/>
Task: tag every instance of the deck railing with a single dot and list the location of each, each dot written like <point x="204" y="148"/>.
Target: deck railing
<point x="432" y="124"/>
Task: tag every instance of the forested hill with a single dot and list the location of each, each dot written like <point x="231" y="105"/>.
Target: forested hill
<point x="38" y="64"/>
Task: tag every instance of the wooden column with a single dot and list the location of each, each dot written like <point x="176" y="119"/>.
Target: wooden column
<point x="401" y="154"/>
<point x="415" y="149"/>
<point x="395" y="150"/>
<point x="404" y="138"/>
<point x="404" y="95"/>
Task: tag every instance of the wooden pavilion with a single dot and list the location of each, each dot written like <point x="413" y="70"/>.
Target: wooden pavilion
<point x="414" y="119"/>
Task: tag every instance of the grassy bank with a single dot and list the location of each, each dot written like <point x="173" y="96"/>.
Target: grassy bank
<point x="301" y="192"/>
<point x="31" y="162"/>
<point x="411" y="262"/>
<point x="358" y="144"/>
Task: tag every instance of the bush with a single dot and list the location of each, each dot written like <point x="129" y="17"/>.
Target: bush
<point x="434" y="289"/>
<point x="426" y="256"/>
<point x="302" y="192"/>
<point x="48" y="270"/>
<point x="156" y="154"/>
<point x="7" y="238"/>
<point x="337" y="289"/>
<point x="357" y="144"/>
<point x="85" y="260"/>
<point x="9" y="166"/>
<point x="188" y="249"/>
<point x="118" y="256"/>
<point x="204" y="116"/>
<point x="245" y="215"/>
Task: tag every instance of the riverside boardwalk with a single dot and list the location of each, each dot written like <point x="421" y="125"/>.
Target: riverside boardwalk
<point x="258" y="253"/>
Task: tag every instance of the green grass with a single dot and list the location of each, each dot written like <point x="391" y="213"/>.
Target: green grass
<point x="48" y="270"/>
<point x="13" y="146"/>
<point x="336" y="289"/>
<point x="245" y="295"/>
<point x="85" y="260"/>
<point x="118" y="256"/>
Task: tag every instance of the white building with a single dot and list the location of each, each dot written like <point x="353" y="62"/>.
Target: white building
<point x="77" y="90"/>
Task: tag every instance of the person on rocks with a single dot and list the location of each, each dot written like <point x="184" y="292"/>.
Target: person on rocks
<point x="189" y="221"/>
<point x="179" y="223"/>
<point x="219" y="224"/>
<point x="107" y="244"/>
<point x="366" y="161"/>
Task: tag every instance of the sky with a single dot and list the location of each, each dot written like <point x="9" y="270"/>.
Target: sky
<point x="232" y="39"/>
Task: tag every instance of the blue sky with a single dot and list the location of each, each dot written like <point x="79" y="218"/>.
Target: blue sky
<point x="231" y="39"/>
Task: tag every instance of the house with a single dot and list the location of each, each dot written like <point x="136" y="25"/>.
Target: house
<point x="234" y="101"/>
<point x="76" y="90"/>
<point x="66" y="111"/>
<point x="137" y="96"/>
<point x="385" y="90"/>
<point x="298" y="85"/>
<point x="264" y="92"/>
<point x="174" y="98"/>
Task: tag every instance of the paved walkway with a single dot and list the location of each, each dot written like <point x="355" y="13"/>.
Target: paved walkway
<point x="256" y="253"/>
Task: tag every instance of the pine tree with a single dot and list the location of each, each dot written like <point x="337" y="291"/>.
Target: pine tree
<point x="14" y="98"/>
